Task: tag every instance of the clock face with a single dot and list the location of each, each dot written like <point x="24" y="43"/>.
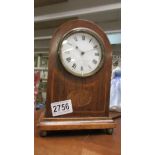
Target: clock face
<point x="81" y="52"/>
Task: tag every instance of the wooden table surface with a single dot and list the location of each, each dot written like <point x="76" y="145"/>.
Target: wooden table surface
<point x="77" y="142"/>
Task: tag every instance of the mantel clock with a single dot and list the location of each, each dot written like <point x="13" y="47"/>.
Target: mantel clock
<point x="79" y="74"/>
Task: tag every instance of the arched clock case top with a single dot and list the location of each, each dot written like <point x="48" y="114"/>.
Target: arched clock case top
<point x="89" y="93"/>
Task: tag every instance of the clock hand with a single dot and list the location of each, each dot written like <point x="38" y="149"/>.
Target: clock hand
<point x="82" y="52"/>
<point x="77" y="48"/>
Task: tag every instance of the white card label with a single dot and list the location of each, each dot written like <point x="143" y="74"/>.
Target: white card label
<point x="61" y="107"/>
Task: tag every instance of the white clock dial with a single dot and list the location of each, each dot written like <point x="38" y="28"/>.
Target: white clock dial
<point x="81" y="53"/>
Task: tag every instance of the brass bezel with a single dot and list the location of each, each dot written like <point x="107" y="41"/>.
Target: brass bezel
<point x="90" y="32"/>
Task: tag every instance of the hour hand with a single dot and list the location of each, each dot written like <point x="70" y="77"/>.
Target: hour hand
<point x="81" y="52"/>
<point x="77" y="48"/>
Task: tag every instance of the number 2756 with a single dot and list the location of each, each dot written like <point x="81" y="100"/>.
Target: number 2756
<point x="62" y="107"/>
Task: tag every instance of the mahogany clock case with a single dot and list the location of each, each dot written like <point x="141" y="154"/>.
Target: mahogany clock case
<point x="89" y="95"/>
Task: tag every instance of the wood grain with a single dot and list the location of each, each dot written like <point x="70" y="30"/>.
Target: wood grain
<point x="62" y="85"/>
<point x="83" y="123"/>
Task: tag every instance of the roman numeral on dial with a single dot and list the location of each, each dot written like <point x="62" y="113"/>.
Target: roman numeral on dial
<point x="94" y="61"/>
<point x="75" y="38"/>
<point x="83" y="37"/>
<point x="81" y="68"/>
<point x="69" y="43"/>
<point x="90" y="40"/>
<point x="95" y="46"/>
<point x="96" y="54"/>
<point x="74" y="65"/>
<point x="68" y="59"/>
<point x="66" y="52"/>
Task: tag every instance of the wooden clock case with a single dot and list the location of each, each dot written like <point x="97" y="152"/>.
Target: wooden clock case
<point x="89" y="95"/>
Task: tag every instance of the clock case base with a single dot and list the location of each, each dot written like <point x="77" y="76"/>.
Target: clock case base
<point x="80" y="123"/>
